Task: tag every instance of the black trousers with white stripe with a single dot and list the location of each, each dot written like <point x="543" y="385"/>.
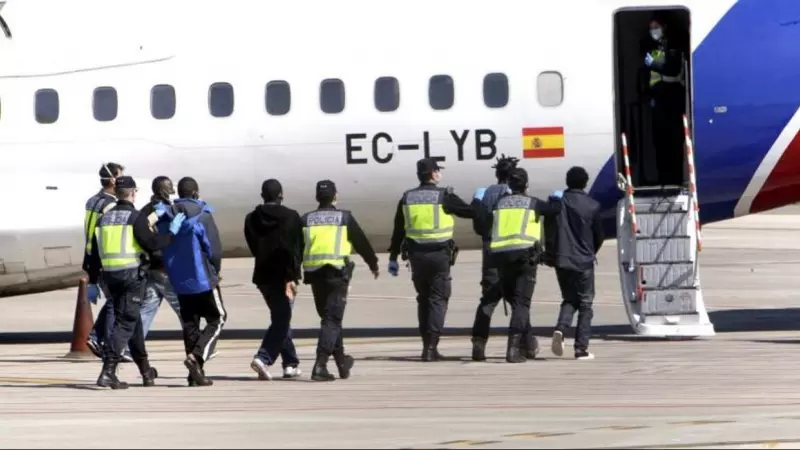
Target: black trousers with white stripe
<point x="205" y="305"/>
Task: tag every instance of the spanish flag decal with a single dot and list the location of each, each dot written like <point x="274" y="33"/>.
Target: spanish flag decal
<point x="547" y="142"/>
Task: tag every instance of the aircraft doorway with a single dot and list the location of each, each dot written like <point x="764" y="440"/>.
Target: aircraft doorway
<point x="650" y="101"/>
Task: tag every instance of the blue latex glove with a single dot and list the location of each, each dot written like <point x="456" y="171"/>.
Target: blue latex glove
<point x="557" y="194"/>
<point x="479" y="194"/>
<point x="93" y="293"/>
<point x="648" y="60"/>
<point x="393" y="268"/>
<point x="176" y="223"/>
<point x="160" y="209"/>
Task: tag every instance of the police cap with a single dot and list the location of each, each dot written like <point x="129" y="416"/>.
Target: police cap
<point x="518" y="177"/>
<point x="125" y="182"/>
<point x="326" y="188"/>
<point x="428" y="165"/>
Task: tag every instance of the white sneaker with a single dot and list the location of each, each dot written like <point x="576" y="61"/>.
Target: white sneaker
<point x="584" y="357"/>
<point x="260" y="368"/>
<point x="557" y="344"/>
<point x="291" y="372"/>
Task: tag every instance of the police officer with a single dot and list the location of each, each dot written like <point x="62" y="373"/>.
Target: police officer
<point x="123" y="256"/>
<point x="578" y="237"/>
<point x="515" y="248"/>
<point x="667" y="101"/>
<point x="423" y="226"/>
<point x="329" y="235"/>
<point x="482" y="203"/>
<point x="95" y="207"/>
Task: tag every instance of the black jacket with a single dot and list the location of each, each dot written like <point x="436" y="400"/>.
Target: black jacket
<point x="574" y="236"/>
<point x="452" y="204"/>
<point x="146" y="226"/>
<point x="356" y="237"/>
<point x="550" y="208"/>
<point x="274" y="235"/>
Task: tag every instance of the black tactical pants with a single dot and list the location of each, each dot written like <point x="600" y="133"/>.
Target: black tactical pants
<point x="491" y="295"/>
<point x="518" y="280"/>
<point x="330" y="299"/>
<point x="577" y="291"/>
<point x="127" y="299"/>
<point x="430" y="272"/>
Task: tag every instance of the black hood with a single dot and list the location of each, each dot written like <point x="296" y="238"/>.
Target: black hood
<point x="267" y="218"/>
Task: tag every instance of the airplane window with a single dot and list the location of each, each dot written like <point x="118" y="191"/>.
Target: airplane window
<point x="550" y="88"/>
<point x="278" y="97"/>
<point x="104" y="104"/>
<point x="495" y="90"/>
<point x="162" y="101"/>
<point x="220" y="99"/>
<point x="441" y="93"/>
<point x="387" y="94"/>
<point x="331" y="96"/>
<point x="46" y="105"/>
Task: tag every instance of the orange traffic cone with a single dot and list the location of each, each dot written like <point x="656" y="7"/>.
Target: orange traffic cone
<point x="82" y="325"/>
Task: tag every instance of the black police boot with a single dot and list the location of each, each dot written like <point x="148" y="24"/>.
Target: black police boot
<point x="149" y="377"/>
<point x="513" y="354"/>
<point x="530" y="346"/>
<point x="108" y="376"/>
<point x="344" y="363"/>
<point x="478" y="349"/>
<point x="432" y="353"/>
<point x="320" y="370"/>
<point x="196" y="371"/>
<point x="426" y="347"/>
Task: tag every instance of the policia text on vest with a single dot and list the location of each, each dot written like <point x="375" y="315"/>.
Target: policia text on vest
<point x="123" y="248"/>
<point x="515" y="248"/>
<point x="423" y="226"/>
<point x="329" y="236"/>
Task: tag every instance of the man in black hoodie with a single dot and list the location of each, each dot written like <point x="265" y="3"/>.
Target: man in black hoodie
<point x="274" y="234"/>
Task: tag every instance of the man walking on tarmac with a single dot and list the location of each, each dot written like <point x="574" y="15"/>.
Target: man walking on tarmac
<point x="123" y="257"/>
<point x="193" y="262"/>
<point x="274" y="235"/>
<point x="578" y="237"/>
<point x="95" y="207"/>
<point x="515" y="249"/>
<point x="482" y="203"/>
<point x="158" y="285"/>
<point x="423" y="227"/>
<point x="329" y="235"/>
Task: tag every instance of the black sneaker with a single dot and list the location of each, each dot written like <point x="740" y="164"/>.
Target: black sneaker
<point x="583" y="356"/>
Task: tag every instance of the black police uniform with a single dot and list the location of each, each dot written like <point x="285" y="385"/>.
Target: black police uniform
<point x="578" y="236"/>
<point x="517" y="269"/>
<point x="126" y="287"/>
<point x="330" y="284"/>
<point x="430" y="262"/>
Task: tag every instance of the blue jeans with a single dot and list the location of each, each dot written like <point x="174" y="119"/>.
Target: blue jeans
<point x="278" y="338"/>
<point x="158" y="289"/>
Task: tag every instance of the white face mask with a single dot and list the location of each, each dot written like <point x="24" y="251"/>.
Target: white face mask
<point x="656" y="34"/>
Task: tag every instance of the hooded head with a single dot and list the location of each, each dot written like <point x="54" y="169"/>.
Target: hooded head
<point x="272" y="191"/>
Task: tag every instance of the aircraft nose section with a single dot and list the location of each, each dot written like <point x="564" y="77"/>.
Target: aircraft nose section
<point x="782" y="186"/>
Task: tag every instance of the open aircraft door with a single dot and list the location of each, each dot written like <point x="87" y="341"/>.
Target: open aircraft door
<point x="658" y="232"/>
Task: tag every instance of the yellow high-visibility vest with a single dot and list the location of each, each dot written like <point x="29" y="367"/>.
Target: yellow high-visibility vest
<point x="326" y="240"/>
<point x="95" y="207"/>
<point x="117" y="246"/>
<point x="426" y="222"/>
<point x="516" y="225"/>
<point x="655" y="77"/>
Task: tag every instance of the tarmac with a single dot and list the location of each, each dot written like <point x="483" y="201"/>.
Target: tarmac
<point x="735" y="390"/>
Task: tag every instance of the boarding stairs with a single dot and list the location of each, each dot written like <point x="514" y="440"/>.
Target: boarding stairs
<point x="659" y="240"/>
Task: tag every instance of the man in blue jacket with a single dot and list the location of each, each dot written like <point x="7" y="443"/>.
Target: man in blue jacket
<point x="193" y="263"/>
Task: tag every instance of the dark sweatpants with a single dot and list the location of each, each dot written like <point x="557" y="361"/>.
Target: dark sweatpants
<point x="577" y="291"/>
<point x="491" y="295"/>
<point x="278" y="338"/>
<point x="205" y="305"/>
